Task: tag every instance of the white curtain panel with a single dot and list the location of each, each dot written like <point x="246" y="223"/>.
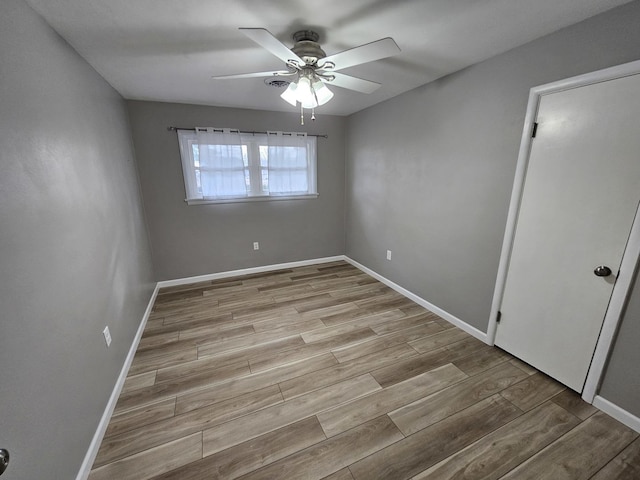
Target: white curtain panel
<point x="288" y="165"/>
<point x="222" y="161"/>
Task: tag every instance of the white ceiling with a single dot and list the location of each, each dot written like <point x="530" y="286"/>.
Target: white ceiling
<point x="167" y="50"/>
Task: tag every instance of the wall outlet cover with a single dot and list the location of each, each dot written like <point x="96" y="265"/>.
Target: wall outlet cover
<point x="107" y="336"/>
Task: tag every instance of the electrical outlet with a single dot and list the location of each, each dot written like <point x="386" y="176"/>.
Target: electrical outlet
<point x="256" y="246"/>
<point x="388" y="254"/>
<point x="107" y="336"/>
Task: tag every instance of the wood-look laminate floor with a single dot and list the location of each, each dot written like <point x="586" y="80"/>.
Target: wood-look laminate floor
<point x="322" y="372"/>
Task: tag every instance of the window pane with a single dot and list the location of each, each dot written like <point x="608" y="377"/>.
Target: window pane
<point x="264" y="156"/>
<point x="288" y="181"/>
<point x="229" y="184"/>
<point x="198" y="182"/>
<point x="222" y="172"/>
<point x="287" y="169"/>
<point x="287" y="157"/>
<point x="223" y="156"/>
<point x="196" y="155"/>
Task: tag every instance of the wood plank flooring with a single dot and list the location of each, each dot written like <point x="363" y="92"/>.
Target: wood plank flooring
<point x="322" y="372"/>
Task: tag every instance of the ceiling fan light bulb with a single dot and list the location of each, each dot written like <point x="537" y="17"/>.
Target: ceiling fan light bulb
<point x="309" y="101"/>
<point x="289" y="95"/>
<point x="323" y="94"/>
<point x="304" y="93"/>
<point x="304" y="84"/>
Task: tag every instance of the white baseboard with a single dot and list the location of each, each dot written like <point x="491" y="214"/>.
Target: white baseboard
<point x="617" y="412"/>
<point x="480" y="335"/>
<point x="90" y="457"/>
<point x="247" y="271"/>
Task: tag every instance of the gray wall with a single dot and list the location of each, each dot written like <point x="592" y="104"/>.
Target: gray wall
<point x="202" y="239"/>
<point x="430" y="172"/>
<point x="74" y="253"/>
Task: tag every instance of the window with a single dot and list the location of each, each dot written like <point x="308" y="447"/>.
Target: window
<point x="223" y="165"/>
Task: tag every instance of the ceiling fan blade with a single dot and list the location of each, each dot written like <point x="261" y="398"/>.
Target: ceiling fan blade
<point x="266" y="40"/>
<point x="253" y="75"/>
<point x="368" y="52"/>
<point x="353" y="83"/>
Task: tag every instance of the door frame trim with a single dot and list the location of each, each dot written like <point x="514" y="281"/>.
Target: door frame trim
<point x="631" y="255"/>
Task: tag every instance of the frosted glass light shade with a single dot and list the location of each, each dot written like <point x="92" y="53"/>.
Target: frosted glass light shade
<point x="305" y="94"/>
<point x="309" y="103"/>
<point x="323" y="94"/>
<point x="289" y="95"/>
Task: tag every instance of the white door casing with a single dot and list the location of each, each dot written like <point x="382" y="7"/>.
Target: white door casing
<point x="551" y="302"/>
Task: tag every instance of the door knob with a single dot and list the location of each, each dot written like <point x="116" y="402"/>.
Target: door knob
<point x="602" y="271"/>
<point x="4" y="460"/>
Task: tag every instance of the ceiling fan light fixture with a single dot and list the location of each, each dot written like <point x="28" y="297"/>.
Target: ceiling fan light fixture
<point x="289" y="95"/>
<point x="309" y="91"/>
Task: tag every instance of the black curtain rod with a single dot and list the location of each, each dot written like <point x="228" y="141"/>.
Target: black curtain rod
<point x="173" y="129"/>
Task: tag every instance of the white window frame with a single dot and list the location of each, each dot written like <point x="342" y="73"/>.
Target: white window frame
<point x="187" y="139"/>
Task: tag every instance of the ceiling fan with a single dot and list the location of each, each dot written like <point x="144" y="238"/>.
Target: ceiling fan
<point x="308" y="68"/>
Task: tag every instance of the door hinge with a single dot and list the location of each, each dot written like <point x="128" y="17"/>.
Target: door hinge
<point x="535" y="130"/>
<point x="499" y="316"/>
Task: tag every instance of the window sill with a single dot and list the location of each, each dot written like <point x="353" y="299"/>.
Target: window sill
<point x="270" y="198"/>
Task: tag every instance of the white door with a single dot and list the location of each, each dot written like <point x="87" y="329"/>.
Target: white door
<point x="580" y="196"/>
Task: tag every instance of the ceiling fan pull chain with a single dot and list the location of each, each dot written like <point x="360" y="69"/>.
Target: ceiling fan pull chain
<point x="313" y="114"/>
<point x="301" y="115"/>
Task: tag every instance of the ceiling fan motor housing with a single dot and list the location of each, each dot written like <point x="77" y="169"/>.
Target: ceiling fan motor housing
<point x="307" y="46"/>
